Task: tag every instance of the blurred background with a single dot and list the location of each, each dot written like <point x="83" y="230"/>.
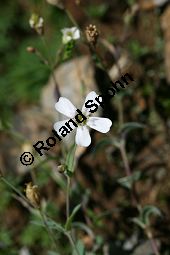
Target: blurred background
<point x="134" y="37"/>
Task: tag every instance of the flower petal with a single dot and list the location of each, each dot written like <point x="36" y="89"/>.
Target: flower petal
<point x="76" y="33"/>
<point x="83" y="137"/>
<point x="91" y="96"/>
<point x="59" y="124"/>
<point x="100" y="124"/>
<point x="65" y="107"/>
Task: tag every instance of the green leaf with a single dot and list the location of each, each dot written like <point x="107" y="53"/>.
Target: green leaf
<point x="54" y="225"/>
<point x="70" y="219"/>
<point x="80" y="248"/>
<point x="138" y="222"/>
<point x="70" y="160"/>
<point x="144" y="217"/>
<point x="147" y="211"/>
<point x="128" y="181"/>
<point x="83" y="227"/>
<point x="51" y="224"/>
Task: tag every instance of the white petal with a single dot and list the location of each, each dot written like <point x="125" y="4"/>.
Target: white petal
<point x="76" y="33"/>
<point x="59" y="124"/>
<point x="66" y="39"/>
<point x="83" y="137"/>
<point x="65" y="107"/>
<point x="91" y="96"/>
<point x="65" y="31"/>
<point x="100" y="124"/>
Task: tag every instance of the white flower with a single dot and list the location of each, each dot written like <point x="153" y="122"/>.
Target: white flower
<point x="82" y="138"/>
<point x="36" y="21"/>
<point x="69" y="34"/>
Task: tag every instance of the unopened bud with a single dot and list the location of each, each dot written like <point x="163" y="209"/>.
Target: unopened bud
<point x="31" y="49"/>
<point x="61" y="169"/>
<point x="58" y="3"/>
<point x="32" y="193"/>
<point x="77" y="2"/>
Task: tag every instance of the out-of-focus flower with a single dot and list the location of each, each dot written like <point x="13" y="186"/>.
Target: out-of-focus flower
<point x="70" y="34"/>
<point x="36" y="22"/>
<point x="58" y="3"/>
<point x="32" y="193"/>
<point x="92" y="34"/>
<point x="77" y="2"/>
<point x="31" y="49"/>
<point x="82" y="138"/>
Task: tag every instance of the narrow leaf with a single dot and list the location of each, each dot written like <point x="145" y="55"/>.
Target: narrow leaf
<point x="128" y="181"/>
<point x="80" y="248"/>
<point x="70" y="219"/>
<point x="138" y="222"/>
<point x="147" y="211"/>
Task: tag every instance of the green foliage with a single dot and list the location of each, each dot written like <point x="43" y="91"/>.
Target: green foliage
<point x="144" y="218"/>
<point x="128" y="181"/>
<point x="22" y="74"/>
<point x="137" y="50"/>
<point x="97" y="11"/>
<point x="52" y="253"/>
<point x="71" y="217"/>
<point x="80" y="248"/>
<point x="33" y="235"/>
<point x="68" y="50"/>
<point x="70" y="160"/>
<point x="5" y="199"/>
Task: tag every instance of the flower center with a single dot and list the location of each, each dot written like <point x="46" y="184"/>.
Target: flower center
<point x="83" y="123"/>
<point x="69" y="34"/>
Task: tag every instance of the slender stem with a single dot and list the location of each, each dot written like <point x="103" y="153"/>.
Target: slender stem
<point x="51" y="67"/>
<point x="50" y="233"/>
<point x="125" y="159"/>
<point x="72" y="19"/>
<point x="68" y="197"/>
<point x="72" y="243"/>
<point x="120" y="111"/>
<point x="135" y="197"/>
<point x="152" y="242"/>
<point x="14" y="189"/>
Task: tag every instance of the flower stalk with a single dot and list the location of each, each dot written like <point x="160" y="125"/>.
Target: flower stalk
<point x="135" y="197"/>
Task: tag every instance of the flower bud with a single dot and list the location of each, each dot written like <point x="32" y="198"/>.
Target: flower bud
<point x="31" y="49"/>
<point x="32" y="193"/>
<point x="92" y="34"/>
<point x="37" y="23"/>
<point x="58" y="3"/>
<point x="61" y="169"/>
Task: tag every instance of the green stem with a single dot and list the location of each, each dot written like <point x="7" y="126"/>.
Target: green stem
<point x="68" y="234"/>
<point x="51" y="67"/>
<point x="71" y="18"/>
<point x="14" y="189"/>
<point x="50" y="233"/>
<point x="152" y="242"/>
<point x="135" y="197"/>
<point x="68" y="197"/>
